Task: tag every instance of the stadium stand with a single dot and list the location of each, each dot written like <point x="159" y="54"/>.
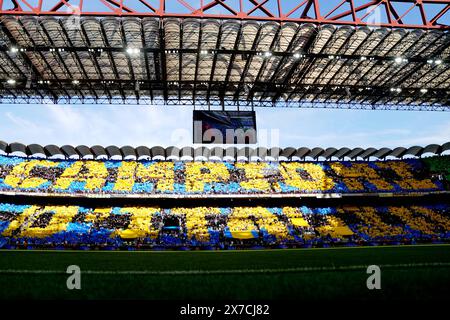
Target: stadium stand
<point x="30" y="223"/>
<point x="153" y="177"/>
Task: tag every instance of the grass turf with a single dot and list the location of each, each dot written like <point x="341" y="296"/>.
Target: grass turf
<point x="408" y="272"/>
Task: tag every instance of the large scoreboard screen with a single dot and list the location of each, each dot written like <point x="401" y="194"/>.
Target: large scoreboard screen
<point x="225" y="127"/>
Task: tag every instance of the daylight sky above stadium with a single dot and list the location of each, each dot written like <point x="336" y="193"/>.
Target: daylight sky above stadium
<point x="166" y="126"/>
<point x="171" y="125"/>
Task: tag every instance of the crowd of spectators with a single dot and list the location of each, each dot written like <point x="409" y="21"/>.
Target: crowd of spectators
<point x="219" y="227"/>
<point x="203" y="178"/>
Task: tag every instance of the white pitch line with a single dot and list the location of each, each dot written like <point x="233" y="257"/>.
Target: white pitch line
<point x="235" y="271"/>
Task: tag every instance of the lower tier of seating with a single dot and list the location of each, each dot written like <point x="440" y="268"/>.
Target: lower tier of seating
<point x="36" y="226"/>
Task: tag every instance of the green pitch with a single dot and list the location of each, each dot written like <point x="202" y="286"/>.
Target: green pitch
<point x="417" y="272"/>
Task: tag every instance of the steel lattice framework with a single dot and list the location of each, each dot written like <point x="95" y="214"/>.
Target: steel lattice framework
<point x="349" y="12"/>
<point x="379" y="54"/>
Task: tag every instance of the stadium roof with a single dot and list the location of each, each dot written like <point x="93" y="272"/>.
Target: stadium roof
<point x="125" y="55"/>
<point x="215" y="153"/>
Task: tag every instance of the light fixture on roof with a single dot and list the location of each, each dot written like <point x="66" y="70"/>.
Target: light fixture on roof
<point x="133" y="51"/>
<point x="399" y="60"/>
<point x="76" y="82"/>
<point x="396" y="90"/>
<point x="267" y="54"/>
<point x="14" y="49"/>
<point x="297" y="55"/>
<point x="423" y="90"/>
<point x="363" y="58"/>
<point x="204" y="52"/>
<point x="437" y="61"/>
<point x="11" y="81"/>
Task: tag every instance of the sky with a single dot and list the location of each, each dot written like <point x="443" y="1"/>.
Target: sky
<point x="172" y="125"/>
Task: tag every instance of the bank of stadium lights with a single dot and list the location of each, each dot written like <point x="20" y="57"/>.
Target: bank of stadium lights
<point x="54" y="49"/>
<point x="43" y="82"/>
<point x="11" y="82"/>
<point x="15" y="49"/>
<point x="400" y="60"/>
<point x="133" y="51"/>
<point x="398" y="90"/>
<point x="265" y="54"/>
<point x="75" y="82"/>
<point x="436" y="62"/>
<point x="423" y="90"/>
<point x="96" y="52"/>
<point x="204" y="52"/>
<point x="364" y="58"/>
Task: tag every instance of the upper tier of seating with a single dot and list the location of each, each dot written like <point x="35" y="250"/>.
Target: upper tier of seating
<point x="182" y="178"/>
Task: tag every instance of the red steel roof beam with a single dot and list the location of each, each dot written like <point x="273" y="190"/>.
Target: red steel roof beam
<point x="259" y="11"/>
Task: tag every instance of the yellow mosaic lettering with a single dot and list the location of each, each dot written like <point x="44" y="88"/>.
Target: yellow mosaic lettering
<point x="407" y="180"/>
<point x="196" y="223"/>
<point x="197" y="174"/>
<point x="20" y="219"/>
<point x="254" y="172"/>
<point x="19" y="177"/>
<point x="316" y="178"/>
<point x="125" y="176"/>
<point x="141" y="223"/>
<point x="353" y="175"/>
<point x="373" y="225"/>
<point x="161" y="172"/>
<point x="414" y="221"/>
<point x="95" y="177"/>
<point x="59" y="221"/>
